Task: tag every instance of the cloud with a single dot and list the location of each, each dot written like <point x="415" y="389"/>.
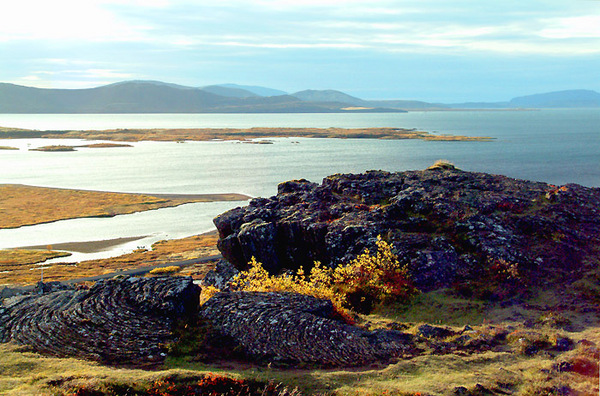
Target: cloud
<point x="587" y="26"/>
<point x="88" y="41"/>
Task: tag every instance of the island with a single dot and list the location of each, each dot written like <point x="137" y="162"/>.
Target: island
<point x="55" y="148"/>
<point x="241" y="134"/>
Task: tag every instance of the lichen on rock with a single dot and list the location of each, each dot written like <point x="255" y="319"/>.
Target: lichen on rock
<point x="117" y="321"/>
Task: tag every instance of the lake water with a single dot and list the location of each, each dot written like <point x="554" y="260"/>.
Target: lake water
<point x="555" y="146"/>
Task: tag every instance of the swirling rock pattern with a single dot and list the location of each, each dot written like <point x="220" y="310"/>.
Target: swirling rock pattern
<point x="287" y="327"/>
<point x="118" y="321"/>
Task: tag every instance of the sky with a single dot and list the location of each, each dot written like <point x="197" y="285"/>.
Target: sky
<point x="431" y="50"/>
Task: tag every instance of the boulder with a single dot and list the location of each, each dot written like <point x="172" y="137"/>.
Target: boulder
<point x="447" y="226"/>
<point x="117" y="321"/>
<point x="295" y="328"/>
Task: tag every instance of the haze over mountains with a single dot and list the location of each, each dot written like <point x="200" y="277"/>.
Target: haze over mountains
<point x="160" y="97"/>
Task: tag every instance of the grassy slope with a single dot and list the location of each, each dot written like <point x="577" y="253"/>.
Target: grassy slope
<point x="23" y="372"/>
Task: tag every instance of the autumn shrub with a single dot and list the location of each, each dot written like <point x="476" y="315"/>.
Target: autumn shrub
<point x="318" y="283"/>
<point x="367" y="280"/>
<point x="165" y="270"/>
<point x="371" y="279"/>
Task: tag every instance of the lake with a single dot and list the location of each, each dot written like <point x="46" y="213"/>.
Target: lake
<point x="555" y="146"/>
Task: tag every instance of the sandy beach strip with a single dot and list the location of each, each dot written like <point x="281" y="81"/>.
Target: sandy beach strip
<point x="85" y="247"/>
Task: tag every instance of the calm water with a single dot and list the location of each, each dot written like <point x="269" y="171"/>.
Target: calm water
<point x="555" y="146"/>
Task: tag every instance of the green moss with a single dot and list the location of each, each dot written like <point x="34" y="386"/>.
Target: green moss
<point x="437" y="307"/>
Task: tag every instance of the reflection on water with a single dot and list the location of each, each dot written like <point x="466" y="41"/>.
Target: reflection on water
<point x="154" y="225"/>
<point x="555" y="146"/>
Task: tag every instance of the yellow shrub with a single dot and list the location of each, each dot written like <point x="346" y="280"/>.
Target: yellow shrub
<point x="165" y="270"/>
<point x="207" y="292"/>
<point x="318" y="283"/>
<point x="362" y="283"/>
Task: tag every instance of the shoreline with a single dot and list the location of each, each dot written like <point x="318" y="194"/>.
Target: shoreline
<point x="24" y="205"/>
<point x="85" y="246"/>
<point x="239" y="134"/>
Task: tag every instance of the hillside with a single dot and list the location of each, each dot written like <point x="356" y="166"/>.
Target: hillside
<point x="154" y="97"/>
<point x="159" y="97"/>
<point x="568" y="99"/>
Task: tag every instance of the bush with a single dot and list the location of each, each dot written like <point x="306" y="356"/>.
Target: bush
<point x="165" y="270"/>
<point x="368" y="280"/>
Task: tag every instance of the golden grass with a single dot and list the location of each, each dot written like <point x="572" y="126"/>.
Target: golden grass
<point x="26" y="205"/>
<point x="162" y="252"/>
<point x="169" y="270"/>
<point x="204" y="134"/>
<point x="17" y="257"/>
<point x="23" y="372"/>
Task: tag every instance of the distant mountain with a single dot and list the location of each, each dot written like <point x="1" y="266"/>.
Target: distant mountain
<point x="559" y="99"/>
<point x="407" y="104"/>
<point x="569" y="99"/>
<point x="160" y="97"/>
<point x="151" y="97"/>
<point x="260" y="91"/>
<point x="229" y="92"/>
<point x="329" y="95"/>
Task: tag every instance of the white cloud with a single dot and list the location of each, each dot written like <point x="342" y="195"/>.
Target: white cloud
<point x="63" y="20"/>
<point x="587" y="26"/>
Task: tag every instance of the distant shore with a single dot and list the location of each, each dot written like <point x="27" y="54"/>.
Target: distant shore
<point x="22" y="205"/>
<point x="243" y="134"/>
<point x="85" y="247"/>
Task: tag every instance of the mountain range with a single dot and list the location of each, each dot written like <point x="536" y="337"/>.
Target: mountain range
<point x="160" y="97"/>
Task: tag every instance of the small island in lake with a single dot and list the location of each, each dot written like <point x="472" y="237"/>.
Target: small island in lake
<point x="241" y="134"/>
<point x="55" y="148"/>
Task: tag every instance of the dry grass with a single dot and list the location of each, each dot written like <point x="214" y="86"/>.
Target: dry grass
<point x="162" y="252"/>
<point x="506" y="370"/>
<point x="205" y="134"/>
<point x="26" y="205"/>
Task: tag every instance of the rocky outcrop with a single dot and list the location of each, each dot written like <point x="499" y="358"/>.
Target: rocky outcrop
<point x="220" y="276"/>
<point x="293" y="328"/>
<point x="117" y="321"/>
<point x="445" y="224"/>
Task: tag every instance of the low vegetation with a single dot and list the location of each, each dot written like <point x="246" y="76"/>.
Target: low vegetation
<point x="169" y="270"/>
<point x="22" y="268"/>
<point x="367" y="281"/>
<point x="545" y="342"/>
<point x="26" y="205"/>
<point x="207" y="134"/>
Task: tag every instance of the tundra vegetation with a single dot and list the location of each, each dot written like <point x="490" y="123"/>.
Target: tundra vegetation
<point x="27" y="205"/>
<point x="207" y="134"/>
<point x="538" y="339"/>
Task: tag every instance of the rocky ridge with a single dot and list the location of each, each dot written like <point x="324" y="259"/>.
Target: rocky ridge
<point x="296" y="328"/>
<point x="448" y="226"/>
<point x="118" y="321"/>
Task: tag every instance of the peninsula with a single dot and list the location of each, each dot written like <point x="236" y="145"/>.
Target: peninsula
<point x="242" y="134"/>
<point x="27" y="205"/>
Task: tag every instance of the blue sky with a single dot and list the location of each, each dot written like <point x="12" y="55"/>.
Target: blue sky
<point x="432" y="50"/>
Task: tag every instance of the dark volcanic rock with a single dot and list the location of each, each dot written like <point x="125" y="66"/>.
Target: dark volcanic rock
<point x="220" y="276"/>
<point x="118" y="321"/>
<point x="446" y="225"/>
<point x="292" y="328"/>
